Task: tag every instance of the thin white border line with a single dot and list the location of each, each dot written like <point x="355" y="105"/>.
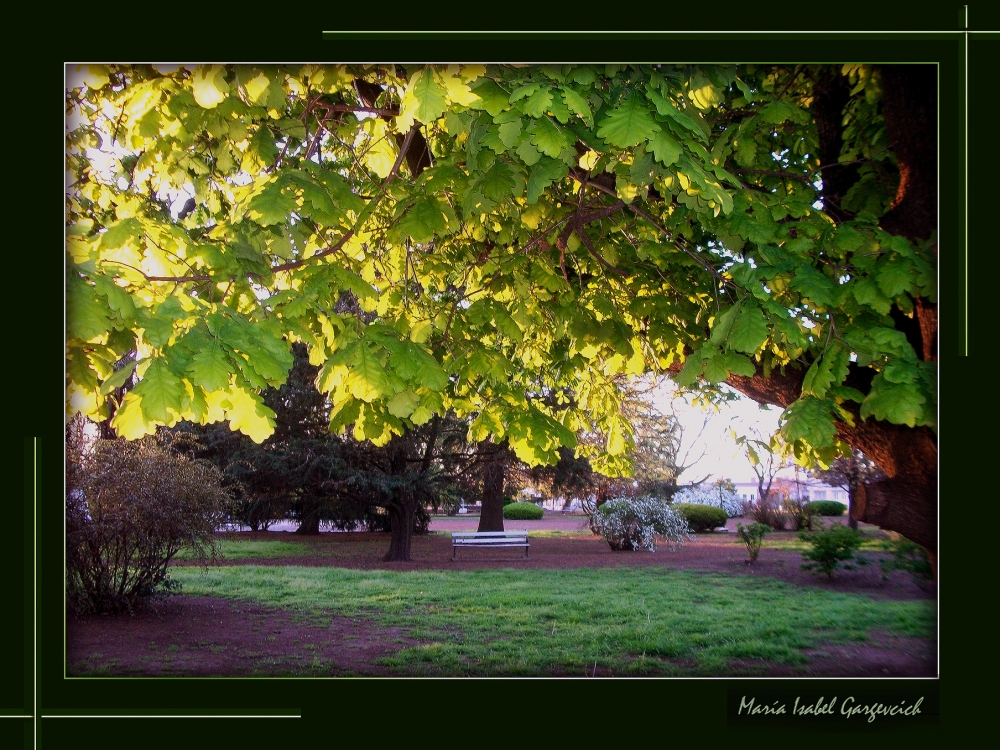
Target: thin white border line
<point x="172" y="716"/>
<point x="15" y="716"/>
<point x="965" y="348"/>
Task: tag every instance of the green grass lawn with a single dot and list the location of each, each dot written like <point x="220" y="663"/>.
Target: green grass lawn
<point x="629" y="621"/>
<point x="255" y="548"/>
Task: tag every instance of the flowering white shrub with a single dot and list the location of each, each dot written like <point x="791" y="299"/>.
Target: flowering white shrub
<point x="716" y="495"/>
<point x="634" y="523"/>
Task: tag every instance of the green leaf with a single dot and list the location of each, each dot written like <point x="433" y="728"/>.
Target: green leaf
<point x="209" y="86"/>
<point x="429" y="95"/>
<point x="498" y="182"/>
<point x="628" y="124"/>
<point x="749" y="330"/>
<point x="527" y="152"/>
<point x="86" y="317"/>
<point x="510" y="133"/>
<point x="894" y="276"/>
<point x="118" y="379"/>
<point x="538" y="103"/>
<point x="828" y="370"/>
<point x="272" y="205"/>
<point x="121" y="233"/>
<point x="210" y="369"/>
<point x="425" y="219"/>
<point x="548" y="137"/>
<point x="869" y="294"/>
<point x="160" y="392"/>
<point x="898" y="403"/>
<point x="666" y="149"/>
<point x="666" y="108"/>
<point x="723" y="324"/>
<point x="543" y="174"/>
<point x="578" y="105"/>
<point x="810" y="420"/>
<point x="492" y="98"/>
<point x="403" y="404"/>
<point x="367" y="380"/>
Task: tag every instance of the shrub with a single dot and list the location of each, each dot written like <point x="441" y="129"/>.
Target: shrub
<point x="721" y="494"/>
<point x="831" y="548"/>
<point x="796" y="514"/>
<point x="701" y="517"/>
<point x="130" y="507"/>
<point x="767" y="510"/>
<point x="826" y="508"/>
<point x="908" y="556"/>
<point x="753" y="537"/>
<point x="522" y="512"/>
<point x="634" y="523"/>
<point x="508" y="500"/>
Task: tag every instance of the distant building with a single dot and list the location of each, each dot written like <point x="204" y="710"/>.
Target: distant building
<point x="803" y="488"/>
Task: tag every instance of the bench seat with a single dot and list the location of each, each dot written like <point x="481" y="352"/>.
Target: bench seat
<point x="488" y="539"/>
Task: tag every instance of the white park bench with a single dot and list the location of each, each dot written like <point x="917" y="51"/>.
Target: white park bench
<point x="488" y="539"/>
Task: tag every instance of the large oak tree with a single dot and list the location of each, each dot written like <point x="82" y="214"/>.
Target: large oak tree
<point x="510" y="240"/>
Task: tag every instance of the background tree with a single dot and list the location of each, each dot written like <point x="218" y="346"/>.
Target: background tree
<point x="660" y="452"/>
<point x="514" y="238"/>
<point x="850" y="472"/>
<point x="767" y="458"/>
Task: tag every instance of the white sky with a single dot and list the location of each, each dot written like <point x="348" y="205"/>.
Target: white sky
<point x="722" y="458"/>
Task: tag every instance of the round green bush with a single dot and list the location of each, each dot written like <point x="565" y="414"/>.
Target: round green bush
<point x="701" y="517"/>
<point x="825" y="508"/>
<point x="522" y="512"/>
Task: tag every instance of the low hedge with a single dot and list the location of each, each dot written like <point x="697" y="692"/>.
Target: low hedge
<point x="825" y="508"/>
<point x="522" y="512"/>
<point x="701" y="517"/>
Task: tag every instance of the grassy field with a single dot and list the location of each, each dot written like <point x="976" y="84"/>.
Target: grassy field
<point x="626" y="621"/>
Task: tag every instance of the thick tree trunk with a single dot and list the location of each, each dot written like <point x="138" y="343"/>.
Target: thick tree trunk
<point x="310" y="521"/>
<point x="494" y="477"/>
<point x="401" y="517"/>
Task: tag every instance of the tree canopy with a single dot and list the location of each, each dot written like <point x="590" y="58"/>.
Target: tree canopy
<point x="503" y="241"/>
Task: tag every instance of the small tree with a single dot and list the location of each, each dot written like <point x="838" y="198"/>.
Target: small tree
<point x="130" y="507"/>
<point x="767" y="458"/>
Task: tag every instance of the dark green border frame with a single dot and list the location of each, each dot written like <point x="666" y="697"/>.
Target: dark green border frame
<point x="334" y="709"/>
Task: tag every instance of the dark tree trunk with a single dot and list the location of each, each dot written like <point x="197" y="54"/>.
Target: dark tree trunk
<point x="494" y="477"/>
<point x="309" y="524"/>
<point x="401" y="517"/>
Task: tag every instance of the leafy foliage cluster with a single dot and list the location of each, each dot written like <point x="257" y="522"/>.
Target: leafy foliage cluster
<point x="558" y="226"/>
<point x="719" y="494"/>
<point x="130" y="507"/>
<point x="522" y="512"/>
<point x="701" y="517"/>
<point x="629" y="524"/>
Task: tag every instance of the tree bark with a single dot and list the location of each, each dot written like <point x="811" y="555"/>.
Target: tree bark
<point x="401" y="517"/>
<point x="494" y="477"/>
<point x="309" y="524"/>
